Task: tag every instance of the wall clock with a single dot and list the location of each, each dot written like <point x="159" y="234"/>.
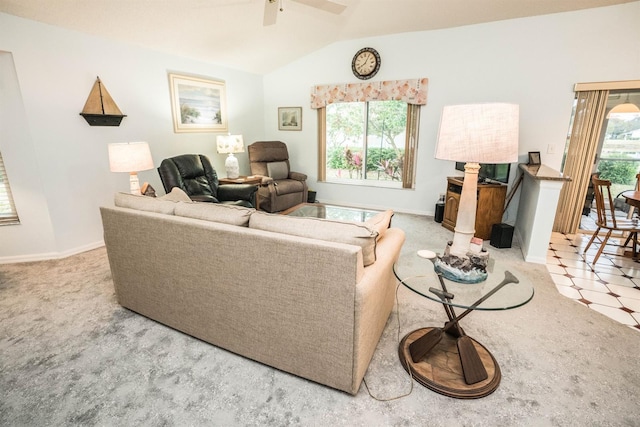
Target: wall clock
<point x="366" y="63"/>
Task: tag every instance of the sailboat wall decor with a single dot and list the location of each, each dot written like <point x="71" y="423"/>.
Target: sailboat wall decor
<point x="100" y="109"/>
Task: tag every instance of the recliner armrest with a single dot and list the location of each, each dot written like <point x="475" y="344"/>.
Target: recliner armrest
<point x="297" y="176"/>
<point x="204" y="198"/>
<point x="231" y="192"/>
<point x="266" y="180"/>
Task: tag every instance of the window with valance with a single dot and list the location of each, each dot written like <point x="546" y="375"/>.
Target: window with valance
<point x="368" y="132"/>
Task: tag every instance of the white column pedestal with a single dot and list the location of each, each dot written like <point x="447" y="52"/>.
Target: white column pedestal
<point x="539" y="197"/>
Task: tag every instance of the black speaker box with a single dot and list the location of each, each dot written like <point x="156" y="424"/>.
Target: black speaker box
<point x="439" y="216"/>
<point x="501" y="235"/>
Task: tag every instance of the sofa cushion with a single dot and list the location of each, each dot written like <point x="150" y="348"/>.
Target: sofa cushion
<point x="278" y="170"/>
<point x="176" y="195"/>
<point x="352" y="233"/>
<point x="144" y="203"/>
<point x="226" y="214"/>
<point x="380" y="222"/>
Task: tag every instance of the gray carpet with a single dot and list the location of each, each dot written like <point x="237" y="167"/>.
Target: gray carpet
<point x="70" y="355"/>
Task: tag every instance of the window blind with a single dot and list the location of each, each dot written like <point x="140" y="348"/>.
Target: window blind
<point x="8" y="213"/>
<point x="411" y="146"/>
<point x="583" y="143"/>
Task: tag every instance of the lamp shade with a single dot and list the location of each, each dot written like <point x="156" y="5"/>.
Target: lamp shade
<point x="130" y="157"/>
<point x="230" y="144"/>
<point x="479" y="133"/>
<point x="627" y="107"/>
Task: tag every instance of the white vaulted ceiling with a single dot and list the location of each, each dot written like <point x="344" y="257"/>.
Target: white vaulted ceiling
<point x="231" y="32"/>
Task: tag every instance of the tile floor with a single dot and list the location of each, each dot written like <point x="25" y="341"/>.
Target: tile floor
<point x="611" y="287"/>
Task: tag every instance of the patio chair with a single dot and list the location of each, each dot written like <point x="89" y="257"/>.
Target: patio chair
<point x="607" y="219"/>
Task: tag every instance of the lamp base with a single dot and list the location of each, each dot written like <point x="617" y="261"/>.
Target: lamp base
<point x="232" y="166"/>
<point x="471" y="268"/>
<point x="134" y="184"/>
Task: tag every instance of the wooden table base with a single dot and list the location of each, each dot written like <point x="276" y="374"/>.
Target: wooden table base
<point x="441" y="371"/>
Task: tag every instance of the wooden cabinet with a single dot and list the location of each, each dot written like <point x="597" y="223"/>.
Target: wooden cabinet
<point x="491" y="199"/>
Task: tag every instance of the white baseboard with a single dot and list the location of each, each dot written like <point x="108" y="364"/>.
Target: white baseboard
<point x="50" y="255"/>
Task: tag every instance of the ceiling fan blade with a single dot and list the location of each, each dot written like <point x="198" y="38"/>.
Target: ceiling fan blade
<point x="270" y="12"/>
<point x="326" y="5"/>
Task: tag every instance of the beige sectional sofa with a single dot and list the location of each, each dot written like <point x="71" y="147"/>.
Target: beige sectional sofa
<point x="292" y="293"/>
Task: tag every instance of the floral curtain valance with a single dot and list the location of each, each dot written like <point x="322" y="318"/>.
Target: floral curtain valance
<point x="412" y="91"/>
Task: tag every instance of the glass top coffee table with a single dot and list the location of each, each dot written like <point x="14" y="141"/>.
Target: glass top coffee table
<point x="445" y="359"/>
<point x="319" y="210"/>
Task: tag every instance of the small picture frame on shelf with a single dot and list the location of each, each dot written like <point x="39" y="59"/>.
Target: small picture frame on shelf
<point x="147" y="190"/>
<point x="534" y="158"/>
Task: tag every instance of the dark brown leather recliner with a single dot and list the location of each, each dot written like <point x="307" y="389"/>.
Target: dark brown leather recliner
<point x="194" y="174"/>
<point x="281" y="188"/>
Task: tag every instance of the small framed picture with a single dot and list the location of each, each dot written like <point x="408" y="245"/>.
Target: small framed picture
<point x="534" y="158"/>
<point x="147" y="190"/>
<point x="289" y="118"/>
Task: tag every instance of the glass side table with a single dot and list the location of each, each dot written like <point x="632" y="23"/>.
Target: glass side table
<point x="445" y="359"/>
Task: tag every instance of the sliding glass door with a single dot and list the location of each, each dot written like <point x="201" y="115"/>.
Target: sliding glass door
<point x="604" y="139"/>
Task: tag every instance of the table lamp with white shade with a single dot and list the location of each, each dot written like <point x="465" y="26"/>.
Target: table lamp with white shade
<point x="231" y="144"/>
<point x="130" y="157"/>
<point x="474" y="134"/>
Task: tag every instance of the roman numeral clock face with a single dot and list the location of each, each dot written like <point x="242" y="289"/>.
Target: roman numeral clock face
<point x="366" y="63"/>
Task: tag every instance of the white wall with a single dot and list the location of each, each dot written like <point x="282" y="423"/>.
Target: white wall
<point x="533" y="62"/>
<point x="58" y="164"/>
<point x="16" y="143"/>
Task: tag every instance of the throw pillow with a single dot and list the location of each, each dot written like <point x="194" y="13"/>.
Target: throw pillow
<point x="226" y="214"/>
<point x="278" y="170"/>
<point x="176" y="195"/>
<point x="351" y="233"/>
<point x="144" y="203"/>
<point x="380" y="222"/>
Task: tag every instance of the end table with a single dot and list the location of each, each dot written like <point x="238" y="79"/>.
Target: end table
<point x="444" y="359"/>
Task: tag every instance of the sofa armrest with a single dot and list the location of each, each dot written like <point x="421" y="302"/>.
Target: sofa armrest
<point x="297" y="176"/>
<point x="230" y="192"/>
<point x="375" y="296"/>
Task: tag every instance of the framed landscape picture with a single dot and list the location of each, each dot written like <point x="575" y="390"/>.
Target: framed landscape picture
<point x="290" y="118"/>
<point x="198" y="104"/>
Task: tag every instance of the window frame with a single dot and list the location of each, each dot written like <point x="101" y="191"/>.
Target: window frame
<point x="410" y="152"/>
<point x="7" y="197"/>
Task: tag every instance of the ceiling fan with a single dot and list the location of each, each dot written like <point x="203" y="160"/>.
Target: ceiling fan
<point x="271" y="8"/>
